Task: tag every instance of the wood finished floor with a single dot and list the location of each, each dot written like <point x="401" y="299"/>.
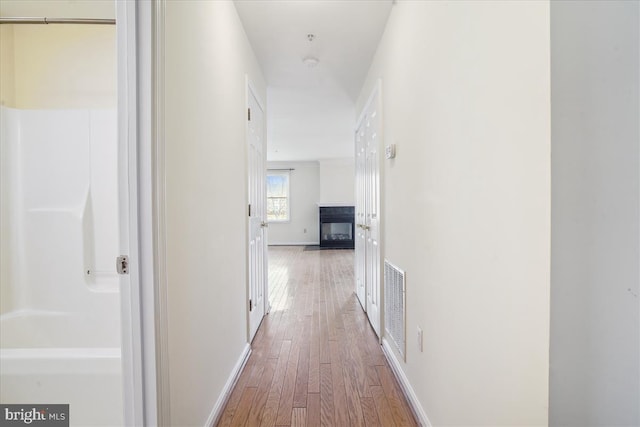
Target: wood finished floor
<point x="315" y="360"/>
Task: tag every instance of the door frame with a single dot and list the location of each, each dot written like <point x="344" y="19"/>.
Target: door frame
<point x="250" y="90"/>
<point x="135" y="71"/>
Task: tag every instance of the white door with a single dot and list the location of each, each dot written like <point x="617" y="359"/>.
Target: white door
<point x="257" y="212"/>
<point x="361" y="237"/>
<point x="368" y="208"/>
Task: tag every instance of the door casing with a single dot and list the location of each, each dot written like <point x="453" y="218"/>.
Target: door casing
<point x="138" y="168"/>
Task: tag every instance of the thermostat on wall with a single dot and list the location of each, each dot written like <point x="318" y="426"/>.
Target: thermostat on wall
<point x="390" y="151"/>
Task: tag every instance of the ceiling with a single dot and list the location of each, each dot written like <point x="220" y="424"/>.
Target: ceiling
<point x="310" y="110"/>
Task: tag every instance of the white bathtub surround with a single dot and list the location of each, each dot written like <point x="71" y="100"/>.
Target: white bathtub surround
<point x="54" y="329"/>
<point x="56" y="357"/>
<point x="60" y="313"/>
<point x="60" y="226"/>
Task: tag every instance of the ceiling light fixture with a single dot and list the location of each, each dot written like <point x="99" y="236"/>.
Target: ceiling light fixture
<point x="310" y="61"/>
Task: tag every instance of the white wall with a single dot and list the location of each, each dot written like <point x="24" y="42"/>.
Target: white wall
<point x="337" y="181"/>
<point x="104" y="9"/>
<point x="309" y="123"/>
<point x="207" y="57"/>
<point x="58" y="66"/>
<point x="595" y="313"/>
<point x="465" y="89"/>
<point x="304" y="188"/>
<point x="7" y="80"/>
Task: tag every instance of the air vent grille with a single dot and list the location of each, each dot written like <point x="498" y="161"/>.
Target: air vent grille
<point x="394" y="305"/>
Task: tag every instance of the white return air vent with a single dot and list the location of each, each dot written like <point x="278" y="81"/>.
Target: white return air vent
<point x="394" y="304"/>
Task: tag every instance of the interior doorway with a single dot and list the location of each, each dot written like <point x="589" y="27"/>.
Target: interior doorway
<point x="257" y="247"/>
<point x="70" y="285"/>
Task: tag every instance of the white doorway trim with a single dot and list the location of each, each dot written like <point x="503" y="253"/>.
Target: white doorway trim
<point x="135" y="95"/>
<point x="155" y="44"/>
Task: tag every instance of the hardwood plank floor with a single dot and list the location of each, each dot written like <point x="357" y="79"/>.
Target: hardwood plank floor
<point x="315" y="360"/>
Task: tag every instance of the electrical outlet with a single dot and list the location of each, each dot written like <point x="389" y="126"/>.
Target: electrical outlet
<point x="419" y="339"/>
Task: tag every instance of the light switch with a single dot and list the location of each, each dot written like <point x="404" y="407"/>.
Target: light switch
<point x="390" y="151"/>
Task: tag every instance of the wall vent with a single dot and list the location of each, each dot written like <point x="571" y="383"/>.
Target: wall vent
<point x="394" y="304"/>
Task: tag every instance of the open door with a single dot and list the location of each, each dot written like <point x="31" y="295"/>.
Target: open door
<point x="257" y="273"/>
<point x="368" y="254"/>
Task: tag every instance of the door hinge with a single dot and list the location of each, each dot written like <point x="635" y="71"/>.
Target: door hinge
<point x="122" y="264"/>
<point x="249" y="114"/>
<point x="249" y="209"/>
<point x="250" y="305"/>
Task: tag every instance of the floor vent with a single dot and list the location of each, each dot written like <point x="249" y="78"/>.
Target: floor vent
<point x="394" y="303"/>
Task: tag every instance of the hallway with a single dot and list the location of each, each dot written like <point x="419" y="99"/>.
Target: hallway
<point x="315" y="360"/>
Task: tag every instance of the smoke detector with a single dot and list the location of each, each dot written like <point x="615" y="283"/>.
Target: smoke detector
<point x="310" y="60"/>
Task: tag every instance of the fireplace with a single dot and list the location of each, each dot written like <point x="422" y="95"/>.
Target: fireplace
<point x="337" y="227"/>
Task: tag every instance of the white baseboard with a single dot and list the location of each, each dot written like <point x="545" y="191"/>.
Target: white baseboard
<point x="216" y="412"/>
<point x="418" y="410"/>
<point x="294" y="243"/>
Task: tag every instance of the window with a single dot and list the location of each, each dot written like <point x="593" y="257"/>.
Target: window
<point x="278" y="196"/>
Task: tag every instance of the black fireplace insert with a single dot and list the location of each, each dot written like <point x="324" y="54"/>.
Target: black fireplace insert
<point x="337" y="227"/>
